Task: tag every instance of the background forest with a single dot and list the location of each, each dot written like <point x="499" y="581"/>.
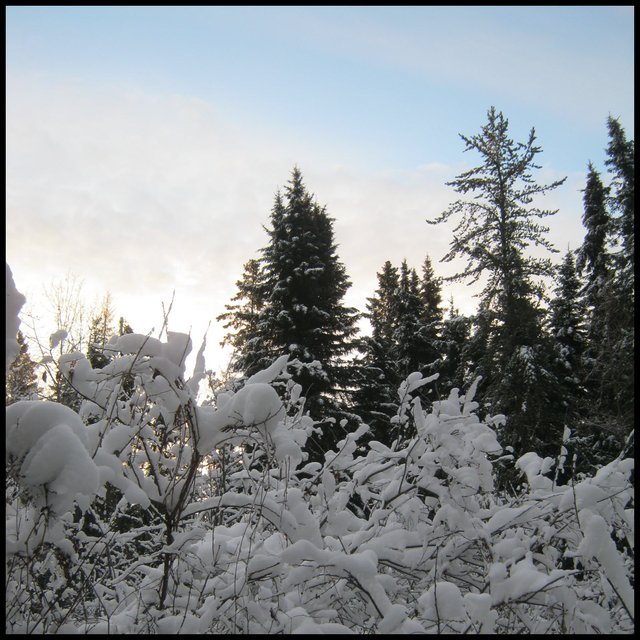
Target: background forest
<point x="444" y="473"/>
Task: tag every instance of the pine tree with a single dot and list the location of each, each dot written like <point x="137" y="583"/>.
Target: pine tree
<point x="22" y="380"/>
<point x="303" y="314"/>
<point x="593" y="258"/>
<point x="455" y="336"/>
<point x="621" y="162"/>
<point x="567" y="326"/>
<point x="412" y="348"/>
<point x="100" y="331"/>
<point x="376" y="398"/>
<point x="242" y="317"/>
<point x="607" y="259"/>
<point x="498" y="224"/>
<point x="432" y="317"/>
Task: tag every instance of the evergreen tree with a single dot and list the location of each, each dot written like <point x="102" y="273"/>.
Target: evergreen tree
<point x="567" y="326"/>
<point x="593" y="258"/>
<point x="242" y="317"/>
<point x="621" y="162"/>
<point x="100" y="331"/>
<point x="411" y="344"/>
<point x="376" y="398"/>
<point x="432" y="317"/>
<point x="607" y="258"/>
<point x="303" y="314"/>
<point x="22" y="380"/>
<point x="455" y="336"/>
<point x="498" y="224"/>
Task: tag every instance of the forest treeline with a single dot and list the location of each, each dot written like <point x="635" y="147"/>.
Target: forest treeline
<point x="444" y="474"/>
<point x="552" y="343"/>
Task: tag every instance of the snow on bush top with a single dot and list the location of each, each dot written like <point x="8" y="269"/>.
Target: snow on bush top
<point x="15" y="300"/>
<point x="49" y="441"/>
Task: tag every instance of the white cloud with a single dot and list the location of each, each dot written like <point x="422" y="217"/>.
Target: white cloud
<point x="145" y="194"/>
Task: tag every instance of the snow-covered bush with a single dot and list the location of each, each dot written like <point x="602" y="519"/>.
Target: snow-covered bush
<point x="148" y="513"/>
<point x="14" y="302"/>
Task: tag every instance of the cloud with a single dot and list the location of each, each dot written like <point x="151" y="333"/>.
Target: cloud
<point x="143" y="194"/>
<point x="550" y="66"/>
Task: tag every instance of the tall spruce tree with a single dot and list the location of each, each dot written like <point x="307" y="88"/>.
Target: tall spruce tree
<point x="455" y="334"/>
<point x="607" y="259"/>
<point x="621" y="163"/>
<point x="100" y="331"/>
<point x="376" y="398"/>
<point x="303" y="313"/>
<point x="498" y="224"/>
<point x="412" y="348"/>
<point x="432" y="317"/>
<point x="567" y="326"/>
<point x="406" y="325"/>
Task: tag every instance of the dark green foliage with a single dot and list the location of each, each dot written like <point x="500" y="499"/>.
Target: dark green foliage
<point x="497" y="225"/>
<point x="295" y="307"/>
<point x="454" y="366"/>
<point x="21" y="382"/>
<point x="376" y="398"/>
<point x="593" y="258"/>
<point x="242" y="317"/>
<point x="406" y="326"/>
<point x="607" y="259"/>
<point x="567" y="326"/>
<point x="621" y="163"/>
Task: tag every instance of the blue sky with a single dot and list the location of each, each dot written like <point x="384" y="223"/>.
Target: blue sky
<point x="178" y="124"/>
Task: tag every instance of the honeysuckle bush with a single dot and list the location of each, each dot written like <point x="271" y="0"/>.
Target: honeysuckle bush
<point x="147" y="512"/>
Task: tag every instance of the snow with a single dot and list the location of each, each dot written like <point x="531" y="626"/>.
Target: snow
<point x="411" y="538"/>
<point x="57" y="337"/>
<point x="50" y="441"/>
<point x="442" y="601"/>
<point x="14" y="302"/>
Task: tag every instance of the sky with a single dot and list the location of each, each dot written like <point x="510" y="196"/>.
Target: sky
<point x="145" y="144"/>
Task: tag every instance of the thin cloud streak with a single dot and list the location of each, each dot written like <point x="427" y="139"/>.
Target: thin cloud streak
<point x="472" y="52"/>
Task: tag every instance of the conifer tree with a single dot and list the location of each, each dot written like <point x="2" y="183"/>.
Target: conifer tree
<point x="621" y="162"/>
<point x="432" y="317"/>
<point x="100" y="330"/>
<point x="242" y="317"/>
<point x="21" y="382"/>
<point x="375" y="398"/>
<point x="607" y="259"/>
<point x="302" y="285"/>
<point x="567" y="326"/>
<point x="593" y="258"/>
<point x="498" y="223"/>
<point x="455" y="335"/>
<point x="411" y="344"/>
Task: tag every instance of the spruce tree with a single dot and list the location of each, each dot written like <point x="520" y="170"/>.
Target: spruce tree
<point x="100" y="331"/>
<point x="607" y="259"/>
<point x="21" y="382"/>
<point x="303" y="315"/>
<point x="593" y="257"/>
<point x="432" y="317"/>
<point x="567" y="326"/>
<point x="455" y="335"/>
<point x="621" y="163"/>
<point x="242" y="317"/>
<point x="412" y="348"/>
<point x="498" y="223"/>
<point x="376" y="398"/>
